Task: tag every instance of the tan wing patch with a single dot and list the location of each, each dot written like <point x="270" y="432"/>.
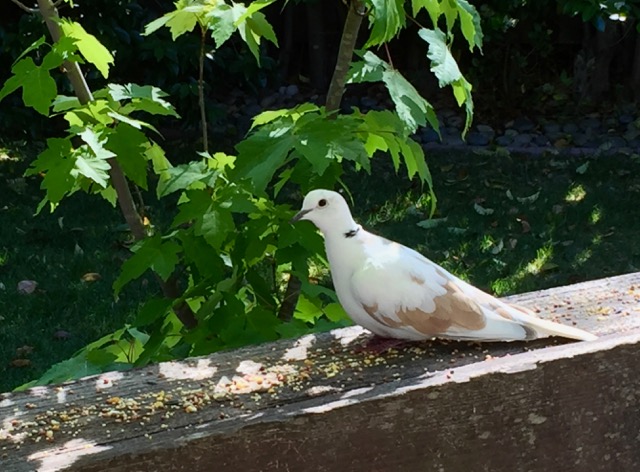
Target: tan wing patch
<point x="502" y="311"/>
<point x="452" y="308"/>
<point x="523" y="309"/>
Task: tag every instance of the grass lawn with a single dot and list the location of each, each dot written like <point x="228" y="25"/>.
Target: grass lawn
<point x="508" y="224"/>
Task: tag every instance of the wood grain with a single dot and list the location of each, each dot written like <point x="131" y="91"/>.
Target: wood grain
<point x="321" y="403"/>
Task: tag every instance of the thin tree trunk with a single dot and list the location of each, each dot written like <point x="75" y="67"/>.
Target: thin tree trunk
<point x="118" y="179"/>
<point x="203" y="111"/>
<point x="290" y="299"/>
<point x="345" y="54"/>
<point x="334" y="97"/>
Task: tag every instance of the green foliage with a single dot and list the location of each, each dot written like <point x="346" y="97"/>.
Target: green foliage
<point x="222" y="19"/>
<point x="108" y="128"/>
<point x="446" y="69"/>
<point x="411" y="107"/>
<point x="90" y="48"/>
<point x="38" y="87"/>
<point x="453" y="10"/>
<point x="386" y="21"/>
<point x="229" y="243"/>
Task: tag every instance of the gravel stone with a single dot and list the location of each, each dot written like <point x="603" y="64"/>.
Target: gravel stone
<point x="625" y="118"/>
<point x="590" y="123"/>
<point x="486" y="130"/>
<point x="268" y="101"/>
<point x="541" y="140"/>
<point x="523" y="124"/>
<point x="452" y="140"/>
<point x="522" y="140"/>
<point x="474" y="138"/>
<point x="551" y="128"/>
<point x="504" y="140"/>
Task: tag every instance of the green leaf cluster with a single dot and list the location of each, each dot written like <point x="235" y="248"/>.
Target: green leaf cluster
<point x="229" y="243"/>
<point x="108" y="128"/>
<point x="38" y="86"/>
<point x="309" y="147"/>
<point x="233" y="250"/>
<point x="386" y="19"/>
<point x="221" y="19"/>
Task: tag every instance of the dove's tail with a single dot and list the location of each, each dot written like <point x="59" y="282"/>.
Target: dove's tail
<point x="539" y="328"/>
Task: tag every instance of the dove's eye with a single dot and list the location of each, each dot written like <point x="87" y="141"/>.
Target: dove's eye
<point x="322" y="203"/>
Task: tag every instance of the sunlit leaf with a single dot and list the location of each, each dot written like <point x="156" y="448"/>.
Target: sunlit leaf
<point x="432" y="7"/>
<point x="182" y="177"/>
<point x="222" y="21"/>
<point x="150" y="253"/>
<point x="90" y="48"/>
<point x="386" y="20"/>
<point x="470" y="24"/>
<point x="38" y="87"/>
<point x="214" y="226"/>
<point x="129" y="145"/>
<point x="56" y="162"/>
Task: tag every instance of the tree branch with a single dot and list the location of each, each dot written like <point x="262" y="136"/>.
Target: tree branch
<point x="24" y="7"/>
<point x="345" y="54"/>
<point x="203" y="111"/>
<point x="118" y="179"/>
<point x="334" y="97"/>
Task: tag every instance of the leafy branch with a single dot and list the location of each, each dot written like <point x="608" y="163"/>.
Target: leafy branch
<point x="69" y="37"/>
<point x="245" y="270"/>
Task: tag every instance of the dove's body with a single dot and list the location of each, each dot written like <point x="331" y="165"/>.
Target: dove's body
<point x="396" y="292"/>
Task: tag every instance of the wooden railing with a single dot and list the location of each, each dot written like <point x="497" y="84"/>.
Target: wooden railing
<point x="321" y="403"/>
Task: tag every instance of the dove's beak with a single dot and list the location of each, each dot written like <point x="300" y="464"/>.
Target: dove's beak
<point x="298" y="216"/>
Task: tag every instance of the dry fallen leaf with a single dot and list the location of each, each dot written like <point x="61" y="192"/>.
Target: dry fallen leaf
<point x="20" y="363"/>
<point x="62" y="334"/>
<point x="27" y="286"/>
<point x="24" y="351"/>
<point x="561" y="143"/>
<point x="526" y="227"/>
<point x="482" y="210"/>
<point x="90" y="277"/>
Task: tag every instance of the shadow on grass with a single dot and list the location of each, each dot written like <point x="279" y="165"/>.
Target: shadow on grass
<point x="508" y="224"/>
<point x="74" y="255"/>
<point x="511" y="224"/>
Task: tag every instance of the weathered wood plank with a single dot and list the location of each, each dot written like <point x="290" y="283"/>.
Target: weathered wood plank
<point x="317" y="403"/>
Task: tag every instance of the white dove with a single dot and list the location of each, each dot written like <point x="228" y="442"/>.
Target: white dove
<point x="395" y="292"/>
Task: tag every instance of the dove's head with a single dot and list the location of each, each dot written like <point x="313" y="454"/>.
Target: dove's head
<point x="327" y="210"/>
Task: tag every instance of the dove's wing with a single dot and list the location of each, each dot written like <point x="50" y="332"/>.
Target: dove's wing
<point x="406" y="292"/>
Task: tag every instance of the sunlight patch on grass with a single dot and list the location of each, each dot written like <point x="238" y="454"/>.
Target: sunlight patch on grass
<point x="596" y="215"/>
<point x="539" y="264"/>
<point x="486" y="243"/>
<point x="397" y="209"/>
<point x="576" y="194"/>
<point x="582" y="257"/>
<point x="541" y="261"/>
<point x="4" y="156"/>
